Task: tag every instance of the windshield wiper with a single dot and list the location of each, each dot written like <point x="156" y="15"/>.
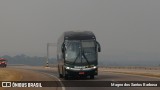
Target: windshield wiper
<point x="76" y="58"/>
<point x="85" y="57"/>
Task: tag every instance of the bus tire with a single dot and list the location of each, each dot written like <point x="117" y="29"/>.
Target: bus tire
<point x="66" y="77"/>
<point x="91" y="76"/>
<point x="60" y="75"/>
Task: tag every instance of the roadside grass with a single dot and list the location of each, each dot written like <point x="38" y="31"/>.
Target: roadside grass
<point x="9" y="75"/>
<point x="137" y="73"/>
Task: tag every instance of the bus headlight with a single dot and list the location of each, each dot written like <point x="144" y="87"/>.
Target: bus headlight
<point x="67" y="67"/>
<point x="94" y="67"/>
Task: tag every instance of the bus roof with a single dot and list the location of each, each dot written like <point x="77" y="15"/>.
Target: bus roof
<point x="79" y="35"/>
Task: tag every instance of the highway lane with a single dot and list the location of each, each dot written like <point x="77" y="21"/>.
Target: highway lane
<point x="103" y="76"/>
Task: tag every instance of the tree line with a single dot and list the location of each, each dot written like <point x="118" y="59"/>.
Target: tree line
<point x="28" y="60"/>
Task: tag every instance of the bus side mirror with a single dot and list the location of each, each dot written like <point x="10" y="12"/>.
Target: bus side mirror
<point x="99" y="47"/>
<point x="63" y="48"/>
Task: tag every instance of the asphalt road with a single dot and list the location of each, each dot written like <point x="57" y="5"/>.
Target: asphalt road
<point x="103" y="76"/>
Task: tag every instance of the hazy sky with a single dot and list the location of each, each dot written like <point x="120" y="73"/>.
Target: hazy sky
<point x="126" y="29"/>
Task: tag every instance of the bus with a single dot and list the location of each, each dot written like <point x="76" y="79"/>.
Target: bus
<point x="77" y="54"/>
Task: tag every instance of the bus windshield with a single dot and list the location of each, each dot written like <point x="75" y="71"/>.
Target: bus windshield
<point x="80" y="51"/>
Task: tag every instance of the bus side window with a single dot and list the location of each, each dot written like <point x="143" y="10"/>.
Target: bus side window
<point x="98" y="47"/>
<point x="63" y="48"/>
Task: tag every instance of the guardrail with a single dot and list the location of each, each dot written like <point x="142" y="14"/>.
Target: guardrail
<point x="133" y="67"/>
<point x="122" y="67"/>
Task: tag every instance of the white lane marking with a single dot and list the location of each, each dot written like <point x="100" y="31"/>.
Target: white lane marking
<point x="62" y="85"/>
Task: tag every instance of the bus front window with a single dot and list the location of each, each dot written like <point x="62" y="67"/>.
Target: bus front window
<point x="80" y="51"/>
<point x="89" y="51"/>
<point x="72" y="50"/>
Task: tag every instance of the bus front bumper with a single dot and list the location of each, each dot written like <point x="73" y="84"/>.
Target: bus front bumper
<point x="82" y="72"/>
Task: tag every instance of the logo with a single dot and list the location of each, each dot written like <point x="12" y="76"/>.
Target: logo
<point x="6" y="84"/>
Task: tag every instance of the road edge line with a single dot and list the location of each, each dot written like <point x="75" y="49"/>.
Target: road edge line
<point x="63" y="88"/>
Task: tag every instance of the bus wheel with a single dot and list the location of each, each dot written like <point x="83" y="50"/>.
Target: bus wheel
<point x="66" y="77"/>
<point x="60" y="76"/>
<point x="91" y="76"/>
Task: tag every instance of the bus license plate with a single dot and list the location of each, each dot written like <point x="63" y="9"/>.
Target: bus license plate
<point x="81" y="72"/>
